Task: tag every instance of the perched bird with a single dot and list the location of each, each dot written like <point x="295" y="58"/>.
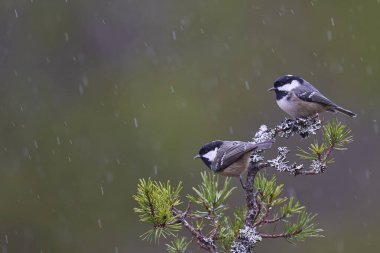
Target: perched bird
<point x="298" y="98"/>
<point x="229" y="158"/>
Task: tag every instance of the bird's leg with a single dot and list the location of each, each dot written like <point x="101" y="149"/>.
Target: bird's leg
<point x="293" y="124"/>
<point x="316" y="117"/>
<point x="241" y="181"/>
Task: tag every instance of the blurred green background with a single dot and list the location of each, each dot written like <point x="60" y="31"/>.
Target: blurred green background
<point x="97" y="94"/>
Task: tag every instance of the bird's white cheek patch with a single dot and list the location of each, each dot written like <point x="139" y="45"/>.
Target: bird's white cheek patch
<point x="289" y="86"/>
<point x="211" y="155"/>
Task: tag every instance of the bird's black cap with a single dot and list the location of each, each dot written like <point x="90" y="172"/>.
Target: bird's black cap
<point x="282" y="80"/>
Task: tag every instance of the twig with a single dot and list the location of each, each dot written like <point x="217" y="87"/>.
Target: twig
<point x="184" y="214"/>
<point x="204" y="241"/>
<point x="328" y="152"/>
<point x="241" y="182"/>
<point x="306" y="173"/>
<point x="179" y="212"/>
<point x="283" y="235"/>
<point x="265" y="216"/>
<point x="274" y="220"/>
<point x="215" y="231"/>
<point x="150" y="204"/>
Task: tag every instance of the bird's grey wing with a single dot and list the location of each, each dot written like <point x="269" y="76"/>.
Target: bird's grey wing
<point x="233" y="151"/>
<point x="310" y="94"/>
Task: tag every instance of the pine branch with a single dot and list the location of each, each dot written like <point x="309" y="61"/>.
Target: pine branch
<point x="203" y="241"/>
<point x="207" y="223"/>
<point x="336" y="136"/>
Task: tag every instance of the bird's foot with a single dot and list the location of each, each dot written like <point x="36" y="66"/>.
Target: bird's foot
<point x="241" y="182"/>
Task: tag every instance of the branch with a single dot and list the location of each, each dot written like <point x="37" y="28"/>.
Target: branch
<point x="251" y="197"/>
<point x="259" y="204"/>
<point x="274" y="220"/>
<point x="248" y="236"/>
<point x="328" y="152"/>
<point x="289" y="127"/>
<point x="281" y="164"/>
<point x="302" y="126"/>
<point x="205" y="242"/>
<point x="264" y="217"/>
<point x="336" y="136"/>
<point x="283" y="235"/>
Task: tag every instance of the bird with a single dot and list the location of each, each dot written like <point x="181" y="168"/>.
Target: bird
<point x="229" y="158"/>
<point x="298" y="98"/>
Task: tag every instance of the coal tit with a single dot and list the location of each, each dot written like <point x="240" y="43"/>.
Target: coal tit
<point x="229" y="158"/>
<point x="298" y="98"/>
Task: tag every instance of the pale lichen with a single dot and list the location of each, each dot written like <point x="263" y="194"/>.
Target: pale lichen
<point x="281" y="164"/>
<point x="248" y="237"/>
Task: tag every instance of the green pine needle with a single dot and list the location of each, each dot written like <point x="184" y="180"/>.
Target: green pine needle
<point x="298" y="230"/>
<point x="269" y="190"/>
<point x="315" y="151"/>
<point x="178" y="245"/>
<point x="209" y="196"/>
<point x="303" y="228"/>
<point x="289" y="209"/>
<point x="229" y="228"/>
<point x="155" y="202"/>
<point x="337" y="135"/>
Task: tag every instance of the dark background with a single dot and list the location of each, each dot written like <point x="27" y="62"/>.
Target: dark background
<point x="97" y="94"/>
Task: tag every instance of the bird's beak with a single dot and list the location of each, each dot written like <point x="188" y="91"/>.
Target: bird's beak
<point x="197" y="156"/>
<point x="273" y="88"/>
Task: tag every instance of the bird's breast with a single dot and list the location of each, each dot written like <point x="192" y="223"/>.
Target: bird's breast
<point x="297" y="107"/>
<point x="238" y="167"/>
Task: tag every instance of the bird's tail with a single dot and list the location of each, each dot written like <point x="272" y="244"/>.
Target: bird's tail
<point x="264" y="144"/>
<point x="345" y="111"/>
